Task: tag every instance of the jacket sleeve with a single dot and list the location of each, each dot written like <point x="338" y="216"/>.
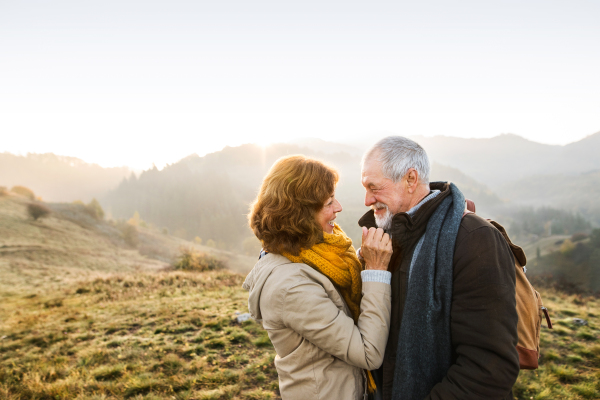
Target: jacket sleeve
<point x="312" y="314"/>
<point x="483" y="320"/>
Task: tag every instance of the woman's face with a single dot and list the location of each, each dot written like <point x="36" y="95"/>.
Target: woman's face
<point x="326" y="216"/>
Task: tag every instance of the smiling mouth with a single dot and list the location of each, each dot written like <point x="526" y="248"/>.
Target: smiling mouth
<point x="379" y="207"/>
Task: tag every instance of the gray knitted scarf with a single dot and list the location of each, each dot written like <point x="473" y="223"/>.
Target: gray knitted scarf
<point x="424" y="350"/>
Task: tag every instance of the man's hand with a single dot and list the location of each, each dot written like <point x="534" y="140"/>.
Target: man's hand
<point x="376" y="248"/>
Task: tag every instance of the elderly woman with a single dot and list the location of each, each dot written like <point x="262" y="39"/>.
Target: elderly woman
<point x="328" y="326"/>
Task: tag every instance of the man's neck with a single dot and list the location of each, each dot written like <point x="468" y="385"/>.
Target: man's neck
<point x="422" y="192"/>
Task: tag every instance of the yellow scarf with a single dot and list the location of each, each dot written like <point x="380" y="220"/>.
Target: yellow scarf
<point x="336" y="258"/>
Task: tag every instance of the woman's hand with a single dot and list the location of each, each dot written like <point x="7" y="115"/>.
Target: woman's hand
<point x="376" y="248"/>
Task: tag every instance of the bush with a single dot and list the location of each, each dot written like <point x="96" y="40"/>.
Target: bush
<point x="95" y="209"/>
<point x="130" y="235"/>
<point x="3" y="191"/>
<point x="567" y="247"/>
<point x="23" y="191"/>
<point x="37" y="211"/>
<point x="192" y="260"/>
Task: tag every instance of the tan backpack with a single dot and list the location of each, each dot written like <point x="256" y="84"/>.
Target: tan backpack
<point x="530" y="308"/>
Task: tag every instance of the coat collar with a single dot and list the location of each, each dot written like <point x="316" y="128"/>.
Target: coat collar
<point x="406" y="230"/>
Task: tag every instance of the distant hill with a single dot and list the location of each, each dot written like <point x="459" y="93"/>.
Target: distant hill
<point x="508" y="158"/>
<point x="59" y="178"/>
<point x="71" y="245"/>
<point x="578" y="193"/>
<point x="209" y="196"/>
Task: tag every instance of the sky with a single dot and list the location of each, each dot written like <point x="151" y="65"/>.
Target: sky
<point x="141" y="82"/>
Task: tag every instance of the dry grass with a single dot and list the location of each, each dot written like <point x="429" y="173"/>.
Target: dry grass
<point x="70" y="245"/>
<point x="83" y="316"/>
<point x="174" y="335"/>
<point x="570" y="353"/>
<point x="133" y="336"/>
<point x="49" y="253"/>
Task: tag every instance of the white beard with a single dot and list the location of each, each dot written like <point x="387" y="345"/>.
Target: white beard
<point x="385" y="221"/>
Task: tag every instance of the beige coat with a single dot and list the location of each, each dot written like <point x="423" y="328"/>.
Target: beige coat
<point x="321" y="353"/>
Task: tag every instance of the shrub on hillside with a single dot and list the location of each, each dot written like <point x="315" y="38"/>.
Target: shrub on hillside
<point x="23" y="191"/>
<point x="193" y="260"/>
<point x="3" y="191"/>
<point x="95" y="209"/>
<point x="130" y="235"/>
<point x="567" y="247"/>
<point x="37" y="210"/>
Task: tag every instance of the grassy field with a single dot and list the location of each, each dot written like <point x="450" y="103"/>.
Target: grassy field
<point x="83" y="316"/>
<point x="151" y="335"/>
<point x="174" y="335"/>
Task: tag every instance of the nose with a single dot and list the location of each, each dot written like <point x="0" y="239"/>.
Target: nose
<point x="369" y="199"/>
<point x="337" y="206"/>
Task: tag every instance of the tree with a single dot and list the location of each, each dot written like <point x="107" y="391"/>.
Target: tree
<point x="135" y="220"/>
<point x="37" y="211"/>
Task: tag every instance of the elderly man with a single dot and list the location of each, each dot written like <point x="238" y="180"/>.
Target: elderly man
<point x="454" y="322"/>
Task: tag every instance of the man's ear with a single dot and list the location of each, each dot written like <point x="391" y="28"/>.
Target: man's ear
<point x="412" y="180"/>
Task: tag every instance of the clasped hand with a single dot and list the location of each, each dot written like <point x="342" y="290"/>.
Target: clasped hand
<point x="376" y="248"/>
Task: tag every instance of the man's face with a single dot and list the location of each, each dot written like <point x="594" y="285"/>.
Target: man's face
<point x="384" y="196"/>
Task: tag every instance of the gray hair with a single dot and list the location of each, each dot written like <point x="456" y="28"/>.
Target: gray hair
<point x="397" y="155"/>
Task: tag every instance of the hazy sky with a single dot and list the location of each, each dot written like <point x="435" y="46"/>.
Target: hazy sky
<point x="135" y="82"/>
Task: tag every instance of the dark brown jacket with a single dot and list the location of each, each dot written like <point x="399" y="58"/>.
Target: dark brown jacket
<point x="483" y="314"/>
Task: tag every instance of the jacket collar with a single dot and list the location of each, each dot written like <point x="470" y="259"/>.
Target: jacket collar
<point x="406" y="229"/>
<point x="402" y="220"/>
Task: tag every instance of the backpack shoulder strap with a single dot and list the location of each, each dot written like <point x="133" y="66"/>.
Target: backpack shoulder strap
<point x="469" y="207"/>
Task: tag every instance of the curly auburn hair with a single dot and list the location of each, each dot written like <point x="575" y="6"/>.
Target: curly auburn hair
<point x="283" y="216"/>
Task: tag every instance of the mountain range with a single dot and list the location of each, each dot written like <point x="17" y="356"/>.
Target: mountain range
<point x="208" y="196"/>
<point x="508" y="158"/>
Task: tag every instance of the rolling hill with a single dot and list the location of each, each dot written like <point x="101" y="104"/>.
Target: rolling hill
<point x="579" y="193"/>
<point x="70" y="245"/>
<point x="209" y="196"/>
